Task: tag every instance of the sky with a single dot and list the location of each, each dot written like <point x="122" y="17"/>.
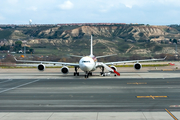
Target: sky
<point x="153" y="12"/>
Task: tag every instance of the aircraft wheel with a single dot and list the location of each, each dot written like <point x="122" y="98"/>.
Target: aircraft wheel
<point x="86" y="76"/>
<point x="101" y="73"/>
<point x="90" y="73"/>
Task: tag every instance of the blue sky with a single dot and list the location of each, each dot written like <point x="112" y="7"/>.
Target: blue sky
<point x="153" y="12"/>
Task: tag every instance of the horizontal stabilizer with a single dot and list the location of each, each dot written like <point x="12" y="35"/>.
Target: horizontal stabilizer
<point x="76" y="56"/>
<point x="106" y="56"/>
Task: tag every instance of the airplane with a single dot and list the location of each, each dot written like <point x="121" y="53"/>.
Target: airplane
<point x="88" y="64"/>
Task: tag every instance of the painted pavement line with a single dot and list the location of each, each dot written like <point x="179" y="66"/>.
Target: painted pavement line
<point x="18" y="86"/>
<point x="153" y="97"/>
<point x="6" y="81"/>
<point x="171" y="114"/>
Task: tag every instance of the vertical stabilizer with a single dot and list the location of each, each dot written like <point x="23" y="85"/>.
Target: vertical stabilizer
<point x="91" y="54"/>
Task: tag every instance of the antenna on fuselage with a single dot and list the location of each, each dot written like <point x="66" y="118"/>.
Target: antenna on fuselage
<point x="91" y="46"/>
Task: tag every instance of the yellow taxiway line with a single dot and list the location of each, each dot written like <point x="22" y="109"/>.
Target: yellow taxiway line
<point x="153" y="97"/>
<point x="171" y="114"/>
<point x="136" y="83"/>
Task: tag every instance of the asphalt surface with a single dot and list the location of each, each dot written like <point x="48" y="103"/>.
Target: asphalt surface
<point x="89" y="95"/>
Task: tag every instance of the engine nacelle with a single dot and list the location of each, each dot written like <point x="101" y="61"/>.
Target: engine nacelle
<point x="41" y="67"/>
<point x="137" y="66"/>
<point x="65" y="70"/>
<point x="114" y="68"/>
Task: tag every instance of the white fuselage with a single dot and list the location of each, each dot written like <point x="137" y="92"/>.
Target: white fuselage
<point x="87" y="63"/>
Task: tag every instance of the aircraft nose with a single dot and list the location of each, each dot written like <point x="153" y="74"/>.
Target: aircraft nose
<point x="85" y="67"/>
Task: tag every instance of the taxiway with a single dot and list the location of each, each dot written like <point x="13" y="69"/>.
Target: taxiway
<point x="141" y="95"/>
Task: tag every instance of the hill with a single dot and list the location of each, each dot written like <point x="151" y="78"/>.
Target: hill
<point x="123" y="40"/>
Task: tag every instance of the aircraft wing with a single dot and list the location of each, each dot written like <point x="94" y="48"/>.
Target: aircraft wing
<point x="132" y="61"/>
<point x="48" y="62"/>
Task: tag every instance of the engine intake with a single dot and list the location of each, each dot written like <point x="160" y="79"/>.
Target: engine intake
<point x="41" y="67"/>
<point x="65" y="70"/>
<point x="137" y="66"/>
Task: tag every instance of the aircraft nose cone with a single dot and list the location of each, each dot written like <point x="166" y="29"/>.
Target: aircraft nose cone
<point x="86" y="67"/>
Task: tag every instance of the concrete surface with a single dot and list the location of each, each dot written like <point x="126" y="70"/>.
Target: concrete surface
<point x="88" y="116"/>
<point x="20" y="88"/>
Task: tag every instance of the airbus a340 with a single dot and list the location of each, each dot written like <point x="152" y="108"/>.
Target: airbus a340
<point x="88" y="64"/>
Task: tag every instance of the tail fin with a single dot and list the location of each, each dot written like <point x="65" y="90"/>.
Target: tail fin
<point x="91" y="52"/>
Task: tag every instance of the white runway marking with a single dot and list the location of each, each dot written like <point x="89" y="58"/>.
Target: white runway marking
<point x="6" y="81"/>
<point x="18" y="86"/>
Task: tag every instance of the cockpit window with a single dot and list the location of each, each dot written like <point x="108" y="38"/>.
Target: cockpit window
<point x="85" y="61"/>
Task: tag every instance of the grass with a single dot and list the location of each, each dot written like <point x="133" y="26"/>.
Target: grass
<point x="5" y="34"/>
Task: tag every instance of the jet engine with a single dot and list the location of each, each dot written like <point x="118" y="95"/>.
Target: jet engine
<point x="41" y="67"/>
<point x="137" y="66"/>
<point x="114" y="68"/>
<point x="65" y="70"/>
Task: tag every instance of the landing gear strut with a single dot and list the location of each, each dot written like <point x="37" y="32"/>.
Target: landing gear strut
<point x="90" y="73"/>
<point x="102" y="73"/>
<point x="76" y="73"/>
<point x="86" y="75"/>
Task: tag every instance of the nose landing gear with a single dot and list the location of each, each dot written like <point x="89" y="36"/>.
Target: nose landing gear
<point x="88" y="74"/>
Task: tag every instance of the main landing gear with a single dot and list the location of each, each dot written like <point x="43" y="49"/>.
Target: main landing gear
<point x="102" y="73"/>
<point x="76" y="73"/>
